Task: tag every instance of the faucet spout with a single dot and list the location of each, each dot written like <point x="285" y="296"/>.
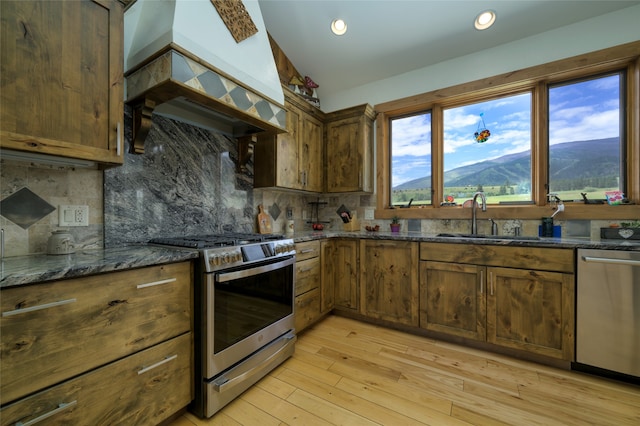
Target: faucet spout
<point x="474" y="221"/>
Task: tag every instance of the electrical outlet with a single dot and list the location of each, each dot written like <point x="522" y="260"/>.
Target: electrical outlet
<point x="73" y="215"/>
<point x="368" y="214"/>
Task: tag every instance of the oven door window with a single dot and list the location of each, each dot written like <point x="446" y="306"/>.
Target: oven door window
<point x="250" y="301"/>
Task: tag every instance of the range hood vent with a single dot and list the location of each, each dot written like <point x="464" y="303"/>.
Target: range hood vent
<point x="182" y="62"/>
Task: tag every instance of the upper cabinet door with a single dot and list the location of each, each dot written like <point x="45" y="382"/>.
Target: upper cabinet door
<point x="62" y="78"/>
<point x="310" y="160"/>
<point x="349" y="152"/>
<point x="292" y="160"/>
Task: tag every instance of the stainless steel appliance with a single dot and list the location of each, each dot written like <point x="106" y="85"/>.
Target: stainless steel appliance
<point x="244" y="301"/>
<point x="608" y="311"/>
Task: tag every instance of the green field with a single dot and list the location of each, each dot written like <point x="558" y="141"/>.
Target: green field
<point x="495" y="195"/>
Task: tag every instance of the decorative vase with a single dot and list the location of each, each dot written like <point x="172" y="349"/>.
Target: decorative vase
<point x="395" y="227"/>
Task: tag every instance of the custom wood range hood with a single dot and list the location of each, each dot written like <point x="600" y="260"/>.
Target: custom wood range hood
<point x="183" y="61"/>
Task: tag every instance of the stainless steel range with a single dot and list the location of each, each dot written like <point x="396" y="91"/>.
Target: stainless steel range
<point x="244" y="301"/>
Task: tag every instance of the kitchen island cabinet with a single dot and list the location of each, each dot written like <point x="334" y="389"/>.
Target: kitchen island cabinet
<point x="516" y="297"/>
<point x="349" y="150"/>
<point x="62" y="78"/>
<point x="389" y="281"/>
<point x="292" y="160"/>
<point x="118" y="344"/>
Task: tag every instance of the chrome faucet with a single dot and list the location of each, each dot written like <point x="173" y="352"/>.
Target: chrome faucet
<point x="474" y="222"/>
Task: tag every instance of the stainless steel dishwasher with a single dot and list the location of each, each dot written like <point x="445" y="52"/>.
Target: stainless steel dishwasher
<point x="608" y="310"/>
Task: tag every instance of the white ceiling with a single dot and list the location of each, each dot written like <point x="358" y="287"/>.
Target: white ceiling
<point x="390" y="37"/>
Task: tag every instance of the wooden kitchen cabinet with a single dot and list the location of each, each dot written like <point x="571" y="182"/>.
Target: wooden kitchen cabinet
<point x="452" y="299"/>
<point x="349" y="150"/>
<point x="54" y="332"/>
<point x="389" y="281"/>
<point x="144" y="388"/>
<point x="340" y="275"/>
<point x="62" y="78"/>
<point x="516" y="297"/>
<point x="531" y="310"/>
<point x="307" y="286"/>
<point x="292" y="160"/>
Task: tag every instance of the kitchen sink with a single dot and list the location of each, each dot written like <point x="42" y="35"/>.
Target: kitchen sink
<point x="490" y="237"/>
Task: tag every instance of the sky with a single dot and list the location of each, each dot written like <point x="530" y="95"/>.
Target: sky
<point x="579" y="111"/>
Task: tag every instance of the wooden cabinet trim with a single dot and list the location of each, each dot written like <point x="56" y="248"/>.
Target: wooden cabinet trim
<point x="539" y="258"/>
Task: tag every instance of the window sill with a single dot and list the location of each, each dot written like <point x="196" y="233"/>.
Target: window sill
<point x="571" y="211"/>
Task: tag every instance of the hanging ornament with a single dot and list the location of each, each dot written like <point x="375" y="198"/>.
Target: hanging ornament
<point x="482" y="134"/>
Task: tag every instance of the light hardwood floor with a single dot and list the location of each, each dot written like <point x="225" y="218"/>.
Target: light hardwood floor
<point x="346" y="372"/>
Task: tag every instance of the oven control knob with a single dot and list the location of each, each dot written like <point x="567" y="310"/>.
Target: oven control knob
<point x="226" y="258"/>
<point x="237" y="257"/>
<point x="214" y="259"/>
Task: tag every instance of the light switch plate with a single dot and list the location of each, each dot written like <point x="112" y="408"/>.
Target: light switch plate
<point x="368" y="214"/>
<point x="73" y="215"/>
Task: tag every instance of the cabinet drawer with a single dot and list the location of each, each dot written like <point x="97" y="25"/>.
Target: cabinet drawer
<point x="307" y="250"/>
<point x="144" y="388"/>
<point x="540" y="258"/>
<point x="307" y="275"/>
<point x="307" y="309"/>
<point x="54" y="331"/>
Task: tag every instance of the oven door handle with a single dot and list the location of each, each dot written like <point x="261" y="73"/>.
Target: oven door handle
<point x="284" y="346"/>
<point x="230" y="276"/>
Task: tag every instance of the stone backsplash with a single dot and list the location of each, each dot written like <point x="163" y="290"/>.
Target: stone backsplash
<point x="187" y="183"/>
<point x="57" y="185"/>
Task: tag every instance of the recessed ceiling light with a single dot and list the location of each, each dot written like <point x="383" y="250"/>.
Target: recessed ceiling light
<point x="485" y="19"/>
<point x="338" y="27"/>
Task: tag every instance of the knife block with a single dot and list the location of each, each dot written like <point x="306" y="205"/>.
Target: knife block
<point x="353" y="225"/>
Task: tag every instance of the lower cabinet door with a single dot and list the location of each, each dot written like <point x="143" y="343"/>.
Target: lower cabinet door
<point x="141" y="389"/>
<point x="532" y="311"/>
<point x="452" y="299"/>
<point x="307" y="309"/>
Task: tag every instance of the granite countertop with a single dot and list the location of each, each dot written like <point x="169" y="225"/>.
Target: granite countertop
<point x="572" y="243"/>
<point x="21" y="270"/>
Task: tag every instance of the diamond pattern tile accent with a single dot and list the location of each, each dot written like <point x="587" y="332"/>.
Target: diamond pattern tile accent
<point x="24" y="208"/>
<point x="212" y="84"/>
<point x="264" y="110"/>
<point x="240" y="98"/>
<point x="181" y="70"/>
<point x="274" y="211"/>
<point x="173" y="65"/>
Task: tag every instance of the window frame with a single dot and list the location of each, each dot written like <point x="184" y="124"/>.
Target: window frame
<point x="535" y="79"/>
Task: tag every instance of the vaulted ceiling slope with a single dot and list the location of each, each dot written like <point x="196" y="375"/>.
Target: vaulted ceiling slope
<point x="387" y="38"/>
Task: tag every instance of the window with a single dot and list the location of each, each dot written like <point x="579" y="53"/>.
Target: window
<point x="487" y="147"/>
<point x="585" y="144"/>
<point x="411" y="160"/>
<point x="568" y="127"/>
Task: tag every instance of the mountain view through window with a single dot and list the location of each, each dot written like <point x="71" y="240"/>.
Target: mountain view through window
<point x="487" y="147"/>
<point x="585" y="147"/>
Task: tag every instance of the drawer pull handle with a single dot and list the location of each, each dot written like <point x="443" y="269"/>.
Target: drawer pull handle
<point x="38" y="307"/>
<point x="118" y="140"/>
<point x="630" y="262"/>
<point x="170" y="280"/>
<point x="61" y="407"/>
<point x="306" y="270"/>
<point x="305" y="251"/>
<point x="481" y="282"/>
<point x="157" y="364"/>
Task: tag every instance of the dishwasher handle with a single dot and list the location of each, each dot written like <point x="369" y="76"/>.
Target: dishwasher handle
<point x="630" y="262"/>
